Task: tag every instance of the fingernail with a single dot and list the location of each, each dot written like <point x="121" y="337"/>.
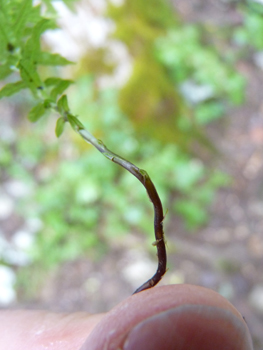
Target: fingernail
<point x="190" y="327"/>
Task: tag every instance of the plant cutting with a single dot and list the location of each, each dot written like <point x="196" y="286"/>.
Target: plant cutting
<point x="21" y="56"/>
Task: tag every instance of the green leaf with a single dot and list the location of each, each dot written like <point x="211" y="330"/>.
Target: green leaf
<point x="51" y="81"/>
<point x="37" y="112"/>
<point x="63" y="104"/>
<point x="12" y="88"/>
<point x="22" y="12"/>
<point x="75" y="123"/>
<point x="29" y="75"/>
<point x="60" y="126"/>
<point x="60" y="87"/>
<point x="35" y="14"/>
<point x="49" y="59"/>
<point x="32" y="50"/>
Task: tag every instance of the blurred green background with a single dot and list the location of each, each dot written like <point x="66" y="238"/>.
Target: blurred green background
<point x="159" y="89"/>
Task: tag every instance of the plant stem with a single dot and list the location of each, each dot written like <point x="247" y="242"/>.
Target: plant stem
<point x="144" y="178"/>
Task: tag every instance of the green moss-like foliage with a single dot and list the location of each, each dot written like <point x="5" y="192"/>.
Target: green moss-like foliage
<point x="150" y="97"/>
<point x="138" y="23"/>
<point x="96" y="62"/>
<point x="151" y="101"/>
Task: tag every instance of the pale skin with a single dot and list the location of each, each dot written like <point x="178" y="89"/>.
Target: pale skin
<point x="179" y="317"/>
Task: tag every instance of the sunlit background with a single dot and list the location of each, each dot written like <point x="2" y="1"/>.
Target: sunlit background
<point x="176" y="88"/>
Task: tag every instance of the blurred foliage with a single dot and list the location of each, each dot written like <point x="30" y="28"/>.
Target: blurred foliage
<point x="249" y="34"/>
<point x="200" y="63"/>
<point x="149" y="98"/>
<point x="167" y="53"/>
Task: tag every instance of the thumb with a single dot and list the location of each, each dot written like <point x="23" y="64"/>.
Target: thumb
<point x="181" y="317"/>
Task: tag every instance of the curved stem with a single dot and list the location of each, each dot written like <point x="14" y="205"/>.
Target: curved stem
<point x="144" y="178"/>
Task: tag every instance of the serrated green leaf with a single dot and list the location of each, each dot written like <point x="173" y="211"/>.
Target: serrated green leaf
<point x="12" y="88"/>
<point x="60" y="87"/>
<point x="49" y="59"/>
<point x="23" y="10"/>
<point x="60" y="126"/>
<point x="63" y="104"/>
<point x="29" y="75"/>
<point x="74" y="122"/>
<point x="32" y="48"/>
<point x="35" y="14"/>
<point x="37" y="112"/>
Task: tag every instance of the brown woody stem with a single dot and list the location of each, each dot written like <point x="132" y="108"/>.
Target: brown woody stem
<point x="144" y="178"/>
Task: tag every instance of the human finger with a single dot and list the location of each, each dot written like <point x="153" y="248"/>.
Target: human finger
<point x="172" y="317"/>
<point x="38" y="330"/>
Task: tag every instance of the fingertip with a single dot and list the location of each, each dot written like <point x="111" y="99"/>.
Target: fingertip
<point x="190" y="327"/>
<point x="113" y="331"/>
